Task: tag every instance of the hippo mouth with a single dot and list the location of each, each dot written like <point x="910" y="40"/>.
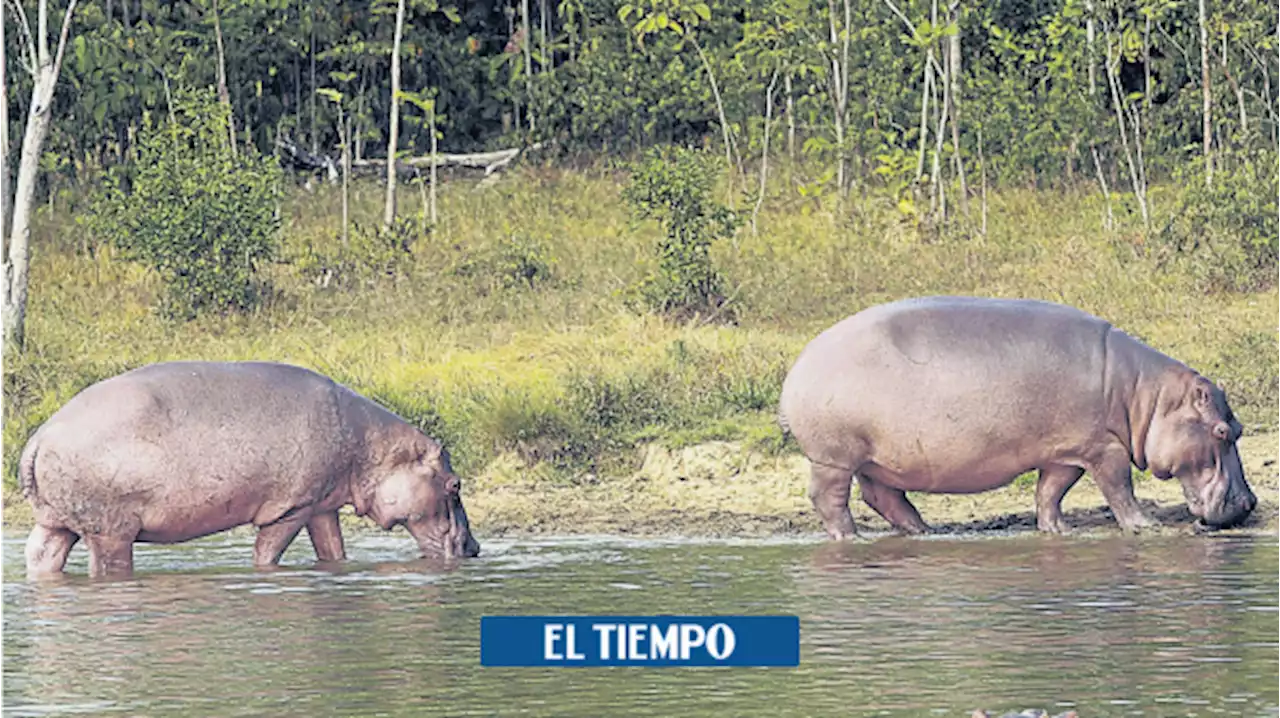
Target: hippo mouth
<point x="454" y="542"/>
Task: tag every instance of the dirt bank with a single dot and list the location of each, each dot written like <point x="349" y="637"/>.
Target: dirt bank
<point x="721" y="489"/>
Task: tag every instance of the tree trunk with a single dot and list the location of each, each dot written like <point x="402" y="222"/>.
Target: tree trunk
<point x="4" y="126"/>
<point x="1207" y="92"/>
<point x="924" y="113"/>
<point x="1090" y="31"/>
<point x="1146" y="64"/>
<point x="544" y="20"/>
<point x="16" y="257"/>
<point x="315" y="139"/>
<point x="954" y="67"/>
<point x="393" y="132"/>
<point x="434" y="217"/>
<point x="791" y="119"/>
<point x="1138" y="180"/>
<point x="528" y="60"/>
<point x="764" y="152"/>
<point x="346" y="174"/>
<point x="223" y="95"/>
<point x="1108" y="220"/>
<point x="724" y="123"/>
<point x="982" y="169"/>
<point x="840" y="92"/>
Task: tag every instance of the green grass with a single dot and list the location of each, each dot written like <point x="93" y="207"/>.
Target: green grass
<point x="508" y="331"/>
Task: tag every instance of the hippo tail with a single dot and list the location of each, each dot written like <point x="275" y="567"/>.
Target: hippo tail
<point x="27" y="468"/>
<point x="783" y="423"/>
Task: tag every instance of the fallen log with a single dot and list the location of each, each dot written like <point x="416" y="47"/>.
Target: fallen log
<point x="490" y="162"/>
<point x="298" y="159"/>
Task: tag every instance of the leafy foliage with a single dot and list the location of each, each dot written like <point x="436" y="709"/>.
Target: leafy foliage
<point x="203" y="218"/>
<point x="673" y="185"/>
<point x="1229" y="230"/>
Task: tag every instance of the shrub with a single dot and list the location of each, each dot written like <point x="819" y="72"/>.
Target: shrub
<point x="1227" y="232"/>
<point x="673" y="186"/>
<point x="204" y="219"/>
<point x="370" y="255"/>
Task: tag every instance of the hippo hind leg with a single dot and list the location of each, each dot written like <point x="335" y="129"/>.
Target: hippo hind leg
<point x="829" y="489"/>
<point x="47" y="550"/>
<point x="110" y="555"/>
<point x="893" y="505"/>
<point x="1055" y="481"/>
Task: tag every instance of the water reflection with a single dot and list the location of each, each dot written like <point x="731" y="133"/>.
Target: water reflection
<point x="1108" y="626"/>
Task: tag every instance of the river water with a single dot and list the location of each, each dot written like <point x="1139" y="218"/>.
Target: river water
<point x="1118" y="626"/>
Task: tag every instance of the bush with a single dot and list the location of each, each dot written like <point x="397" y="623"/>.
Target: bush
<point x="1227" y="232"/>
<point x="673" y="185"/>
<point x="515" y="262"/>
<point x="204" y="219"/>
<point x="370" y="255"/>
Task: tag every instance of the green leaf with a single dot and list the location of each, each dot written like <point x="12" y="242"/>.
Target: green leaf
<point x="702" y="10"/>
<point x="451" y="12"/>
<point x="330" y="94"/>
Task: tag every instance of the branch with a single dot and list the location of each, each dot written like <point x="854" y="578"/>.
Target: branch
<point x="911" y="26"/>
<point x="62" y="39"/>
<point x="26" y="31"/>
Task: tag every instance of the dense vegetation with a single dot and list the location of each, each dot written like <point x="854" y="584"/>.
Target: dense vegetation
<point x="615" y="290"/>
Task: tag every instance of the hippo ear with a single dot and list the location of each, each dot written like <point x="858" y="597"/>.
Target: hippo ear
<point x="1200" y="396"/>
<point x="430" y="452"/>
<point x="453" y="485"/>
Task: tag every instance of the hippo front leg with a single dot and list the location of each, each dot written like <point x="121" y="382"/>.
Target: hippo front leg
<point x="1055" y="481"/>
<point x="326" y="537"/>
<point x="1115" y="479"/>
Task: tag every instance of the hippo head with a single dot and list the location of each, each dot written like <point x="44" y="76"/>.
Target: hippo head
<point x="422" y="493"/>
<point x="1193" y="438"/>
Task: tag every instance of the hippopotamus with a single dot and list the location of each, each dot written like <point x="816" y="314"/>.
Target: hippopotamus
<point x="173" y="451"/>
<point x="963" y="394"/>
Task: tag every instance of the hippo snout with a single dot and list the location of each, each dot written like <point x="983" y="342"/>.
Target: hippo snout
<point x="1234" y="509"/>
<point x="471" y="547"/>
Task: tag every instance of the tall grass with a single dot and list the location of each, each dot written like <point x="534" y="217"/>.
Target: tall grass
<point x="507" y="329"/>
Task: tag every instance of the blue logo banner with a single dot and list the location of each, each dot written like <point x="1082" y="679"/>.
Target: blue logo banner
<point x="658" y="641"/>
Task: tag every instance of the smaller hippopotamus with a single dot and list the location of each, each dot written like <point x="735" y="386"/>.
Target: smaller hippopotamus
<point x="174" y="451"/>
<point x="958" y="395"/>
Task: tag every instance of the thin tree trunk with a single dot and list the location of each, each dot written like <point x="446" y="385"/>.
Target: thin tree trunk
<point x="958" y="156"/>
<point x="1146" y="64"/>
<point x="1108" y="220"/>
<point x="791" y="118"/>
<point x="393" y="141"/>
<point x="315" y="138"/>
<point x="544" y="19"/>
<point x="764" y="152"/>
<point x="223" y="95"/>
<point x="528" y="59"/>
<point x="358" y="139"/>
<point x="729" y="149"/>
<point x="434" y="162"/>
<point x="1239" y="93"/>
<point x="1207" y="93"/>
<point x="4" y="125"/>
<point x="939" y="191"/>
<point x="1090" y="30"/>
<point x="1139" y="186"/>
<point x="346" y="174"/>
<point x="924" y="113"/>
<point x="840" y="91"/>
<point x="17" y="255"/>
<point x="982" y="169"/>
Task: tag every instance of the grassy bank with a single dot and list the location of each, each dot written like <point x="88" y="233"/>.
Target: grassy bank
<point x="507" y="332"/>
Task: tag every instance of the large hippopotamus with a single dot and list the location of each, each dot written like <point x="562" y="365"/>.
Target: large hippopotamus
<point x="963" y="394"/>
<point x="173" y="451"/>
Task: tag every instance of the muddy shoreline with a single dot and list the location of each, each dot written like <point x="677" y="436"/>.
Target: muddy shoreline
<point x="722" y="489"/>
